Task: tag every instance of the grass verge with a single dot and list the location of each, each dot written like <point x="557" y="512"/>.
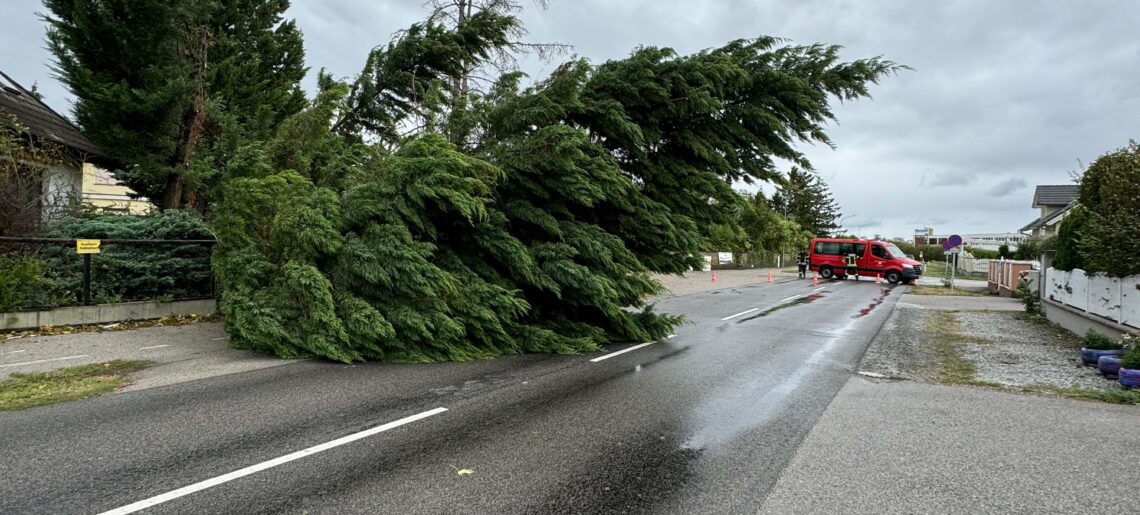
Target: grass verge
<point x="27" y="390"/>
<point x="1111" y="395"/>
<point x="922" y="289"/>
<point x="948" y="342"/>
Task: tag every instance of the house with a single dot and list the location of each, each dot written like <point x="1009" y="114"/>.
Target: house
<point x="1055" y="202"/>
<point x="52" y="167"/>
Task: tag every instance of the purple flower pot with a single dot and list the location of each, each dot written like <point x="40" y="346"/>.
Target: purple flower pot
<point x="1129" y="377"/>
<point x="1108" y="365"/>
<point x="1089" y="356"/>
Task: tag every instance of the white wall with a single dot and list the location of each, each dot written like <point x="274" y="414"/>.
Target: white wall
<point x="63" y="184"/>
<point x="1109" y="298"/>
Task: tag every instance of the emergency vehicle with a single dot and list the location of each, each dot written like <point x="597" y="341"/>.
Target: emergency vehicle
<point x="872" y="257"/>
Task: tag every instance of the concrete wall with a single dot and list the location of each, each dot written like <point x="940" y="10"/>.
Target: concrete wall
<point x="104" y="313"/>
<point x="1079" y="322"/>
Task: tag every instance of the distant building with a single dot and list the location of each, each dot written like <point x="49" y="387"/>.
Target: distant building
<point x="1055" y="202"/>
<point x="986" y="241"/>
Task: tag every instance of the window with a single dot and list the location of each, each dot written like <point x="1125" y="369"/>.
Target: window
<point x="879" y="252"/>
<point x="835" y="248"/>
<point x="830" y="248"/>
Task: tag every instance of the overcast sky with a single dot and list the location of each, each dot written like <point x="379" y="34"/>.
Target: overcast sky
<point x="1003" y="96"/>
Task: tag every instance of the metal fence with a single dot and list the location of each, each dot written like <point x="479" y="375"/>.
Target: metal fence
<point x="55" y="272"/>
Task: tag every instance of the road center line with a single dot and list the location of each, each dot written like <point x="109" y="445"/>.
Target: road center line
<point x="16" y="351"/>
<point x="820" y="288"/>
<point x="42" y="361"/>
<point x="793" y="297"/>
<point x="153" y="347"/>
<point x="209" y="483"/>
<point x="742" y="313"/>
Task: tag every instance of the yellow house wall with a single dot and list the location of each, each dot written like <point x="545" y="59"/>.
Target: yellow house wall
<point x="100" y="189"/>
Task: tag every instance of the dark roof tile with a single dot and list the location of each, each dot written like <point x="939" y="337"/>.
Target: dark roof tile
<point x="1055" y="195"/>
<point x="41" y="121"/>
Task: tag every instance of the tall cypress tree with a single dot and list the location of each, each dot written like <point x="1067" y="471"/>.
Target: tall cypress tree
<point x="145" y="72"/>
<point x="804" y="198"/>
<point x="539" y="237"/>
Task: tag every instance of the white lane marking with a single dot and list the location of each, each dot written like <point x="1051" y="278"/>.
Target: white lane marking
<point x="820" y="288"/>
<point x="153" y="347"/>
<point x="620" y="352"/>
<point x="742" y="313"/>
<point x="43" y="361"/>
<point x="793" y="297"/>
<point x="209" y="483"/>
<point x="16" y="351"/>
<point x="670" y="337"/>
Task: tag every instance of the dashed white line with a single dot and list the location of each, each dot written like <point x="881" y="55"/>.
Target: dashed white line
<point x="16" y="351"/>
<point x="793" y="297"/>
<point x="209" y="483"/>
<point x="153" y="347"/>
<point x="742" y="313"/>
<point x="42" y="361"/>
<point x="820" y="288"/>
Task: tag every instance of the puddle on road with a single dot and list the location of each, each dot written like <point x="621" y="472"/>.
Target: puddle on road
<point x="883" y="293"/>
<point x="802" y="300"/>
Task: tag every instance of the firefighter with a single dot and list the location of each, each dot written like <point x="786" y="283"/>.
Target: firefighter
<point x="852" y="268"/>
<point x="802" y="261"/>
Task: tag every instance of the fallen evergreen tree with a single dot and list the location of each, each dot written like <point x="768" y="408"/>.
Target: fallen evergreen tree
<point x="347" y="238"/>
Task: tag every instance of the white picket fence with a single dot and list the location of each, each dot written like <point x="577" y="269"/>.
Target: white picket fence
<point x="1115" y="299"/>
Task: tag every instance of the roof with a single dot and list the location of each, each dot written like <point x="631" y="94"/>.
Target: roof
<point x="1053" y="217"/>
<point x="41" y="121"/>
<point x="1055" y="195"/>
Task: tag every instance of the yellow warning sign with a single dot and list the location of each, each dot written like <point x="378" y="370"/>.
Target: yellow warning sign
<point x="86" y="246"/>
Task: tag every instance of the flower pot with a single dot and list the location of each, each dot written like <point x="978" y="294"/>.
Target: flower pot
<point x="1108" y="365"/>
<point x="1089" y="356"/>
<point x="1129" y="377"/>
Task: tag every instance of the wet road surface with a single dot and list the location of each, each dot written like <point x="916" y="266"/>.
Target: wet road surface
<point x="701" y="422"/>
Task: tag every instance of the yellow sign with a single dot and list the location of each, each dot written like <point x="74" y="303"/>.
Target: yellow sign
<point x="86" y="246"/>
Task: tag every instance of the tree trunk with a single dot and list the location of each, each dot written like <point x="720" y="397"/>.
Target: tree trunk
<point x="195" y="121"/>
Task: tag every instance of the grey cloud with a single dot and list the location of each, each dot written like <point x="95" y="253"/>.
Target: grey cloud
<point x="1007" y="187"/>
<point x="953" y="179"/>
<point x="1021" y="90"/>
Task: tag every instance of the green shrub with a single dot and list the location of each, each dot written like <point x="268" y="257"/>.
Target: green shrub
<point x="1030" y="298"/>
<point x="1095" y="340"/>
<point x="22" y="284"/>
<point x="1068" y="241"/>
<point x="1131" y="359"/>
<point x="125" y="272"/>
<point x="1110" y="193"/>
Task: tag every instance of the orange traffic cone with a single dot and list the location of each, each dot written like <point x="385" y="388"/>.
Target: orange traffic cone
<point x="814" y="279"/>
<point x="878" y="279"/>
<point x="769" y="276"/>
<point x="714" y="276"/>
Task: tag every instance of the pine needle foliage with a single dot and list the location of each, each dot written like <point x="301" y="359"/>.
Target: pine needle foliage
<point x="374" y="236"/>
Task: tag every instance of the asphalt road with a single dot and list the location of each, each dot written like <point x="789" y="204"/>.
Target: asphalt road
<point x="701" y="422"/>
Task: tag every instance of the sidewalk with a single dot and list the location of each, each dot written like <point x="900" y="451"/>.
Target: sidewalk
<point x="911" y="446"/>
<point x="181" y="353"/>
<point x="904" y="447"/>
